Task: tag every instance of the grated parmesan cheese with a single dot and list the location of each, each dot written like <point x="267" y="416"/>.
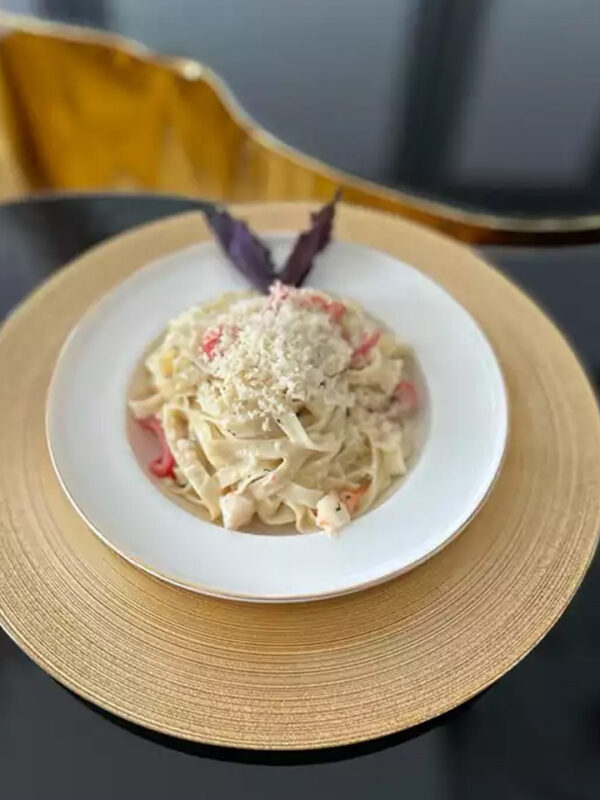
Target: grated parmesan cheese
<point x="285" y="342"/>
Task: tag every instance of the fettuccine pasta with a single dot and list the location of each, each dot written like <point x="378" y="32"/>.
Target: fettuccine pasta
<point x="290" y="407"/>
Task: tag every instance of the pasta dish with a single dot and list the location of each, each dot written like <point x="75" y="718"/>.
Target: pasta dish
<point x="291" y="407"/>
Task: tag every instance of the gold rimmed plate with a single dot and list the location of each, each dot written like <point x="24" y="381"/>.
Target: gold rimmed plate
<point x="465" y="404"/>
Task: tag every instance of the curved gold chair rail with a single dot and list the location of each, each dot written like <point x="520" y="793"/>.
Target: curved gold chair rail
<point x="83" y="110"/>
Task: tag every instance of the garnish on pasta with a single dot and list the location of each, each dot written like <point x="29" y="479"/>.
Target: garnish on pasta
<point x="290" y="407"/>
<point x="252" y="257"/>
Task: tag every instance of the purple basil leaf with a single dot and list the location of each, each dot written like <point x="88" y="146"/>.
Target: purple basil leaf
<point x="244" y="249"/>
<point x="309" y="243"/>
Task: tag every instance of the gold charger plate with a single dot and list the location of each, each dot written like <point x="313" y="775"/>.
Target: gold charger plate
<point x="315" y="674"/>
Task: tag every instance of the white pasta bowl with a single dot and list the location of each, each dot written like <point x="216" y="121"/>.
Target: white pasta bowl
<point x="95" y="461"/>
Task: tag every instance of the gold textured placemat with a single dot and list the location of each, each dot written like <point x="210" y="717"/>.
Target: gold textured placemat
<point x="313" y="674"/>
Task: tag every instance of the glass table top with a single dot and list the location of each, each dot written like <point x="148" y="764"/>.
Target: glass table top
<point x="533" y="734"/>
